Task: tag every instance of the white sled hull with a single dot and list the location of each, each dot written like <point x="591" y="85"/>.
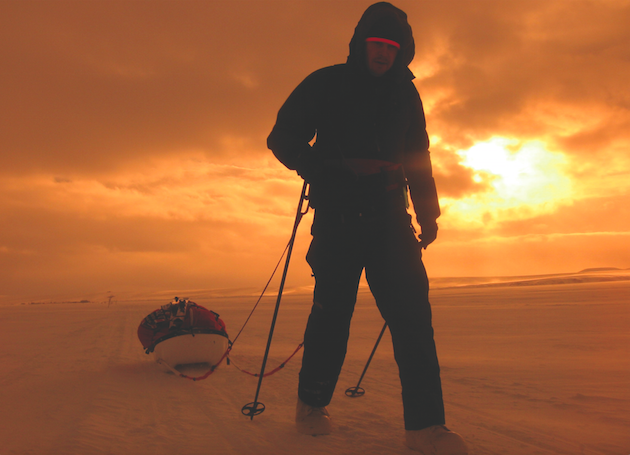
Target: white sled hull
<point x="188" y="349"/>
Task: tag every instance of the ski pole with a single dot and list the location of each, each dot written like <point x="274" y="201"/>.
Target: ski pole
<point x="255" y="408"/>
<point x="357" y="391"/>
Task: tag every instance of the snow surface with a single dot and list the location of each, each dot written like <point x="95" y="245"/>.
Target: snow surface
<point x="537" y="369"/>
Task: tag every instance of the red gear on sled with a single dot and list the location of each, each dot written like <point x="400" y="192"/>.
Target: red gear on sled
<point x="177" y="316"/>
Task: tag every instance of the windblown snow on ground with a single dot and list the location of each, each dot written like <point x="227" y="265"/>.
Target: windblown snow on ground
<point x="527" y="369"/>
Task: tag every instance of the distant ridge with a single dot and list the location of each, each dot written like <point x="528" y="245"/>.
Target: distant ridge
<point x="590" y="275"/>
<point x="601" y="269"/>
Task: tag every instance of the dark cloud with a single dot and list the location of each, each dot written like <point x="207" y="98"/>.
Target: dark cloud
<point x="597" y="214"/>
<point x="51" y="251"/>
<point x="510" y="66"/>
<point x="87" y="85"/>
<point x="610" y="131"/>
<point x="452" y="179"/>
<point x="91" y="85"/>
<point x="118" y="98"/>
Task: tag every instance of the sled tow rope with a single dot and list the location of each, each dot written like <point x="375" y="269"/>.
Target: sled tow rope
<point x="275" y="370"/>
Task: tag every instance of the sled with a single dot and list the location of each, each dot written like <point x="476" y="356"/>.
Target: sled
<point x="191" y="347"/>
<point x="183" y="333"/>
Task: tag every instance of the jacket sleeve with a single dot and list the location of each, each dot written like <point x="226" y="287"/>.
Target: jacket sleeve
<point x="418" y="167"/>
<point x="296" y="126"/>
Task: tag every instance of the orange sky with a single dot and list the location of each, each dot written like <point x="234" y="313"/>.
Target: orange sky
<point x="133" y="155"/>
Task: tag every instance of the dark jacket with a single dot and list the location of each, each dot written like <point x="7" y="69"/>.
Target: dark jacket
<point x="352" y="114"/>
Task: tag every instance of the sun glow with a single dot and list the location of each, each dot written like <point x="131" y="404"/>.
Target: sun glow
<point x="524" y="179"/>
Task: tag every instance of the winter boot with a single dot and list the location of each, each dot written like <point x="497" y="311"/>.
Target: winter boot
<point x="313" y="421"/>
<point x="436" y="440"/>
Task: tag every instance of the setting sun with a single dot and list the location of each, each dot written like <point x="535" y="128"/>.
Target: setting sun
<point x="134" y="138"/>
<point x="519" y="175"/>
<point x="135" y="166"/>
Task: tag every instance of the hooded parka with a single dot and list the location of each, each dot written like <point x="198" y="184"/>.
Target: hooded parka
<point x="368" y="134"/>
<point x="354" y="115"/>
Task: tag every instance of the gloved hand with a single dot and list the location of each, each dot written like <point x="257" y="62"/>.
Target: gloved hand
<point x="310" y="165"/>
<point x="429" y="234"/>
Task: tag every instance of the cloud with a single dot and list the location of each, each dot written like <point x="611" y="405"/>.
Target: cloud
<point x="520" y="255"/>
<point x="181" y="224"/>
<point x="509" y="68"/>
<point x="94" y="84"/>
<point x="133" y="133"/>
<point x="589" y="215"/>
<point x="452" y="179"/>
<point x="88" y="86"/>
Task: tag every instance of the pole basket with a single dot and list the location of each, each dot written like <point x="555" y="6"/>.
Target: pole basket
<point x="355" y="392"/>
<point x="253" y="409"/>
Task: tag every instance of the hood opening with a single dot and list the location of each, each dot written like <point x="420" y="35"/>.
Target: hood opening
<point x="386" y="21"/>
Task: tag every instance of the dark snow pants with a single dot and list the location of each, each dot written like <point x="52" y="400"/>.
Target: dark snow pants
<point x="385" y="246"/>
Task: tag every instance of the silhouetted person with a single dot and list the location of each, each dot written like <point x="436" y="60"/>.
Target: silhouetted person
<point x="371" y="147"/>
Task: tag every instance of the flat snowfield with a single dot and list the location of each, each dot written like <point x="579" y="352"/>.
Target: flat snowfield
<point x="542" y="369"/>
